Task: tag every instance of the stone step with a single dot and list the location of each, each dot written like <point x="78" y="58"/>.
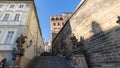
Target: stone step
<point x="48" y="62"/>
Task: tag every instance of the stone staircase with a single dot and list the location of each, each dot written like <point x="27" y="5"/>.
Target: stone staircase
<point x="48" y="62"/>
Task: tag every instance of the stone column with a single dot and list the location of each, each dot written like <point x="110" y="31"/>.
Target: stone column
<point x="79" y="61"/>
<point x="19" y="54"/>
<point x="17" y="62"/>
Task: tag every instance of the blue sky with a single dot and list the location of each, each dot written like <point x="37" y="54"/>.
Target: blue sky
<point x="47" y="8"/>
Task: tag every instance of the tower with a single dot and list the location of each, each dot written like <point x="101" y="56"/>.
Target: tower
<point x="57" y="22"/>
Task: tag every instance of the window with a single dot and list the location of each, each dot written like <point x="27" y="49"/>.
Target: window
<point x="9" y="37"/>
<point x="58" y="24"/>
<point x="52" y="19"/>
<point x="6" y="17"/>
<point x="61" y="18"/>
<point x="21" y="6"/>
<point x="54" y="24"/>
<point x="0" y="34"/>
<point x="17" y="16"/>
<point x="57" y="18"/>
<point x="1" y="6"/>
<point x="12" y="6"/>
<point x="63" y="23"/>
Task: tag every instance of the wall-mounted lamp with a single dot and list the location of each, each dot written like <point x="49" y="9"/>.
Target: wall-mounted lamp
<point x="118" y="21"/>
<point x="30" y="43"/>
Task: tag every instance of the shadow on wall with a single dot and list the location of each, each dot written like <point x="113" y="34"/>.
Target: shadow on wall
<point x="62" y="46"/>
<point x="102" y="49"/>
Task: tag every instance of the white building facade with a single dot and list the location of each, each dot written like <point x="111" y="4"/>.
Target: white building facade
<point x="47" y="47"/>
<point x="14" y="18"/>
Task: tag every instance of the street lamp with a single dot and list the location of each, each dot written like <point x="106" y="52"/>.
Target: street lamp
<point x="30" y="43"/>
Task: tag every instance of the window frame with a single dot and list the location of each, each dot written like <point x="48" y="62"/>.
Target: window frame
<point x="58" y="23"/>
<point x="17" y="17"/>
<point x="21" y="6"/>
<point x="9" y="37"/>
<point x="6" y="16"/>
<point x="0" y="34"/>
<point x="54" y="24"/>
<point x="1" y="5"/>
<point x="13" y="37"/>
<point x="63" y="23"/>
<point x="12" y="6"/>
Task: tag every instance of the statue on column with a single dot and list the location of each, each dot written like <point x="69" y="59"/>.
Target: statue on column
<point x="20" y="41"/>
<point x="74" y="41"/>
<point x="20" y="51"/>
<point x="78" y="53"/>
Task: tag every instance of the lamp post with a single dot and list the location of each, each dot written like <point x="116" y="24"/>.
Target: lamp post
<point x="30" y="43"/>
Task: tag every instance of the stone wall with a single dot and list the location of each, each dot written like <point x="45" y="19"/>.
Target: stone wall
<point x="62" y="41"/>
<point x="96" y="21"/>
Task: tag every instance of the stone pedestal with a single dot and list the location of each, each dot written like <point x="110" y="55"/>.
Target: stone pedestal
<point x="19" y="54"/>
<point x="79" y="61"/>
<point x="17" y="62"/>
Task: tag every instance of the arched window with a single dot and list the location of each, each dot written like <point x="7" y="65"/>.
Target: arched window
<point x="54" y="24"/>
<point x="62" y="23"/>
<point x="58" y="24"/>
<point x="57" y="18"/>
<point x="52" y="19"/>
<point x="61" y="18"/>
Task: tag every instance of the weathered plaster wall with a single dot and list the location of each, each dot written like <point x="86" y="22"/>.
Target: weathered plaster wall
<point x="96" y="21"/>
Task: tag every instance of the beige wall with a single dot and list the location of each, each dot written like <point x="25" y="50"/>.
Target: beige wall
<point x="103" y="12"/>
<point x="95" y="20"/>
<point x="62" y="40"/>
<point x="33" y="33"/>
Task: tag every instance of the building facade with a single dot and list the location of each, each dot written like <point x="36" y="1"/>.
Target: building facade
<point x="57" y="22"/>
<point x="98" y="22"/>
<point x="16" y="18"/>
<point x="47" y="47"/>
